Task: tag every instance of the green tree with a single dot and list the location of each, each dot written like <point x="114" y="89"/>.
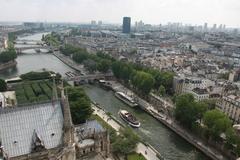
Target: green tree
<point x="188" y="111"/>
<point x="201" y="108"/>
<point x="80" y="104"/>
<point x="80" y="55"/>
<point x="211" y="104"/>
<point x="231" y="138"/>
<point x="68" y="50"/>
<point x="162" y="90"/>
<point x="8" y="55"/>
<point x="167" y="81"/>
<point x="184" y="111"/>
<point x="126" y="142"/>
<point x="3" y="85"/>
<point x="216" y="123"/>
<point x="143" y="81"/>
<point x="162" y="78"/>
<point x="104" y="66"/>
<point x="90" y="65"/>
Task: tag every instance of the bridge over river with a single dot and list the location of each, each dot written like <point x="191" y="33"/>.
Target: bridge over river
<point x="34" y="47"/>
<point x="90" y="77"/>
<point x="27" y="41"/>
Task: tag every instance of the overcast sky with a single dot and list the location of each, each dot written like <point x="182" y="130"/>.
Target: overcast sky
<point x="150" y="11"/>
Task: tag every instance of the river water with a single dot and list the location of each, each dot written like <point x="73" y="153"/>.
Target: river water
<point x="32" y="61"/>
<point x="170" y="145"/>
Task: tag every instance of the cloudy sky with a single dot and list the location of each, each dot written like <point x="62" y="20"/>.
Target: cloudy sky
<point x="150" y="11"/>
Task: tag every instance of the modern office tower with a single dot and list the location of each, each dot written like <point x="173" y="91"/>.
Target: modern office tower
<point x="224" y="27"/>
<point x="99" y="23"/>
<point x="205" y="26"/>
<point x="93" y="22"/>
<point x="136" y="24"/>
<point x="220" y="27"/>
<point x="126" y="24"/>
<point x="214" y="26"/>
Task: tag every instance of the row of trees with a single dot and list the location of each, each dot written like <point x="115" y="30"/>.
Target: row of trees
<point x="52" y="39"/>
<point x="206" y="121"/>
<point x="93" y="62"/>
<point x="8" y="55"/>
<point x="12" y="36"/>
<point x="143" y="79"/>
<point x="80" y="104"/>
<point x="125" y="142"/>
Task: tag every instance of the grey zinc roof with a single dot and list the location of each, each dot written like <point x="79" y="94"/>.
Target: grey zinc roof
<point x="90" y="127"/>
<point x="17" y="127"/>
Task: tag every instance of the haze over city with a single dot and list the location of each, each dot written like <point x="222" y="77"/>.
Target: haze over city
<point x="111" y="11"/>
<point x="119" y="79"/>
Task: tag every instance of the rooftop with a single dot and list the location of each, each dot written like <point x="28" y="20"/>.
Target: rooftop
<point x="200" y="91"/>
<point x="18" y="126"/>
<point x="88" y="128"/>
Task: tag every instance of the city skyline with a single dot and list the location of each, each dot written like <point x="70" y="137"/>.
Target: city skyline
<point x="152" y="12"/>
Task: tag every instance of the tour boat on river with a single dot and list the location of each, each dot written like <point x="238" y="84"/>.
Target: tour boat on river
<point x="126" y="99"/>
<point x="129" y="118"/>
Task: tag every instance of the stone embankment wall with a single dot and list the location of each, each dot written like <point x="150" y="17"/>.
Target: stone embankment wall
<point x="7" y="65"/>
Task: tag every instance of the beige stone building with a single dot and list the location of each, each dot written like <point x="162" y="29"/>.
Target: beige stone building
<point x="91" y="138"/>
<point x="230" y="105"/>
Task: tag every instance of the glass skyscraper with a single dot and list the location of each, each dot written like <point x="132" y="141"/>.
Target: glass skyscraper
<point x="126" y="24"/>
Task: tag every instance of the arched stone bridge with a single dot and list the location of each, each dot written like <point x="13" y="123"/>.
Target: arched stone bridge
<point x="20" y="49"/>
<point x="27" y="40"/>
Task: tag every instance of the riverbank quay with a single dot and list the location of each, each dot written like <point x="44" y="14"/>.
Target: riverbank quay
<point x="171" y="124"/>
<point x="69" y="62"/>
<point x="7" y="65"/>
<point x="146" y="150"/>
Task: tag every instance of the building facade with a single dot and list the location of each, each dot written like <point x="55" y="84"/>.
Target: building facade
<point x="230" y="105"/>
<point x="91" y="138"/>
<point x="126" y="24"/>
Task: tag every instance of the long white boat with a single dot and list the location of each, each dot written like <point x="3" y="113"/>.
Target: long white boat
<point x="129" y="118"/>
<point x="126" y="99"/>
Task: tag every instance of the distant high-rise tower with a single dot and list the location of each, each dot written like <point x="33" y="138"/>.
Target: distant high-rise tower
<point x="126" y="24"/>
<point x="220" y="27"/>
<point x="93" y="23"/>
<point x="205" y="26"/>
<point x="99" y="23"/>
<point x="224" y="27"/>
<point x="214" y="26"/>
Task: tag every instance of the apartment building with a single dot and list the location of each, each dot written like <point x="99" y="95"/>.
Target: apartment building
<point x="230" y="105"/>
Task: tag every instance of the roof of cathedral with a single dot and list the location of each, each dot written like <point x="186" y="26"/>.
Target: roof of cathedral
<point x="18" y="125"/>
